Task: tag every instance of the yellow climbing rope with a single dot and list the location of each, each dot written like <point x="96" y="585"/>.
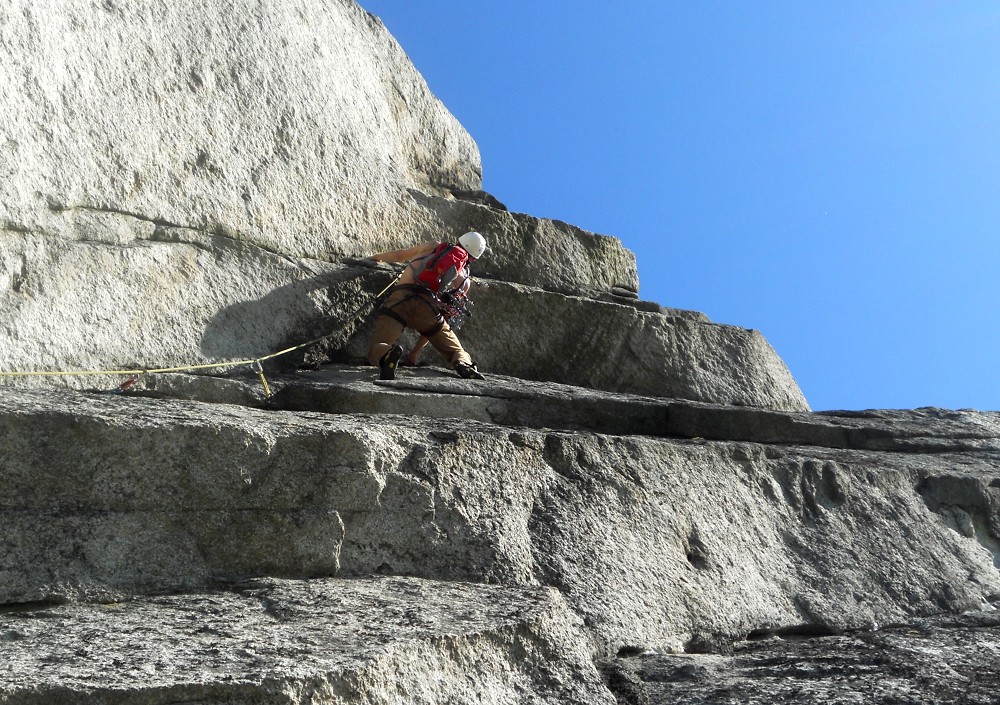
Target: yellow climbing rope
<point x="254" y="363"/>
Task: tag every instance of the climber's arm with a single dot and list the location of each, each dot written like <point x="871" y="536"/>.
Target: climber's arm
<point x="406" y="255"/>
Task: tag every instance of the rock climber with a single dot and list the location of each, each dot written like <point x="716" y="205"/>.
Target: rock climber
<point x="413" y="302"/>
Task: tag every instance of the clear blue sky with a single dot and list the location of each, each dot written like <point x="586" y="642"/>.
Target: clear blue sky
<point x="825" y="171"/>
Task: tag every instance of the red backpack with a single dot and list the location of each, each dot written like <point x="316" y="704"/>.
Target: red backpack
<point x="442" y="270"/>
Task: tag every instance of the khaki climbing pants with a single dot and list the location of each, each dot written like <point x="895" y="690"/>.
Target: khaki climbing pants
<point x="414" y="307"/>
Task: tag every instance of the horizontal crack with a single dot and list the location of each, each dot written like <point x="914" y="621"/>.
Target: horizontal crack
<point x="213" y="231"/>
<point x="11" y="227"/>
<point x="117" y="211"/>
<point x="31" y="606"/>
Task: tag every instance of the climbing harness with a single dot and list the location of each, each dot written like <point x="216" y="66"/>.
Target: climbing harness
<point x="419" y="293"/>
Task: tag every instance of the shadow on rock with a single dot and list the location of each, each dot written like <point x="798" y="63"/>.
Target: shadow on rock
<point x="319" y="314"/>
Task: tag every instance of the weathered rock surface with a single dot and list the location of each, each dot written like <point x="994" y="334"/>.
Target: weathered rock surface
<point x="296" y="126"/>
<point x="170" y="297"/>
<point x="434" y="392"/>
<point x="539" y="335"/>
<point x="543" y="253"/>
<point x="661" y="472"/>
<point x="667" y="543"/>
<point x="923" y="662"/>
<point x="385" y="640"/>
<point x="302" y="130"/>
<point x="200" y="211"/>
<point x="181" y="297"/>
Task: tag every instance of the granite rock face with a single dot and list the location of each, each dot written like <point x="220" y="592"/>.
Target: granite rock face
<point x="658" y="541"/>
<point x="159" y="297"/>
<point x="632" y="483"/>
<point x="666" y="539"/>
<point x="295" y="126"/>
<point x="539" y="252"/>
<point x="202" y="210"/>
<point x="617" y="347"/>
<point x="381" y="640"/>
<point x="922" y="662"/>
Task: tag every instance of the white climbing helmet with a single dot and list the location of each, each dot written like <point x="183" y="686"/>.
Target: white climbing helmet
<point x="473" y="243"/>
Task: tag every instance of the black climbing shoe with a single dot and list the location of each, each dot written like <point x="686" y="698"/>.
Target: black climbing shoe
<point x="468" y="371"/>
<point x="389" y="362"/>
